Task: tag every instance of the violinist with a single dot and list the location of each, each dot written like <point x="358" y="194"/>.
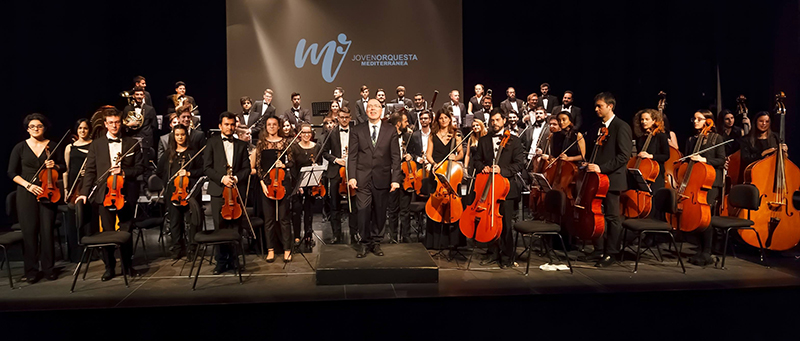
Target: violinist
<point x="287" y="129"/>
<point x="374" y="163"/>
<point x="612" y="160"/>
<point x="177" y="156"/>
<point x="512" y="161"/>
<point x="35" y="218"/>
<point x="644" y="123"/>
<point x="726" y="128"/>
<point x="75" y="156"/>
<point x="224" y="152"/>
<point x="196" y="137"/>
<point x="104" y="152"/>
<point x="335" y="151"/>
<point x="440" y="143"/>
<point x="270" y="145"/>
<point x="534" y="137"/>
<point x="420" y="138"/>
<point x="328" y="124"/>
<point x="400" y="199"/>
<point x="304" y="153"/>
<point x="761" y="141"/>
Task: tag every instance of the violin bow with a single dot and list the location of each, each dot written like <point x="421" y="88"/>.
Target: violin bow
<point x="553" y="161"/>
<point x="283" y="152"/>
<point x="72" y="188"/>
<point x="440" y="163"/>
<point x="702" y="151"/>
<point x="49" y="155"/>
<point x="117" y="163"/>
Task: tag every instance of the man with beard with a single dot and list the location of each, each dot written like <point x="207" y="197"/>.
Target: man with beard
<point x="549" y="102"/>
<point x="485" y="111"/>
<point x="512" y="103"/>
<point x="574" y="111"/>
<point x="459" y="110"/>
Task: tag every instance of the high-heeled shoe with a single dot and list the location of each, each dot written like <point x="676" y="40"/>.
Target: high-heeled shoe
<point x="287" y="258"/>
<point x="271" y="260"/>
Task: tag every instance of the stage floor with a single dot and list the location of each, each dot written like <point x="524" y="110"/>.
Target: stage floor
<point x="160" y="284"/>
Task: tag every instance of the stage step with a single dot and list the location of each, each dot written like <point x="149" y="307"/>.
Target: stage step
<point x="402" y="263"/>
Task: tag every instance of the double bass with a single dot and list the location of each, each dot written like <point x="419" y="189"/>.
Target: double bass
<point x="588" y="221"/>
<point x="734" y="171"/>
<point x="694" y="180"/>
<point x="635" y="203"/>
<point x="482" y="220"/>
<point x="777" y="219"/>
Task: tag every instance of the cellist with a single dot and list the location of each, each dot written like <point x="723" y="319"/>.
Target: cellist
<point x="440" y="142"/>
<point x="512" y="161"/>
<point x="177" y="156"/>
<point x="644" y="123"/>
<point x="612" y="159"/>
<point x="715" y="158"/>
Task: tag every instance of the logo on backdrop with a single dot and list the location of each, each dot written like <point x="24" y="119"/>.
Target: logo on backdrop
<point x="330" y="51"/>
<point x="394" y="59"/>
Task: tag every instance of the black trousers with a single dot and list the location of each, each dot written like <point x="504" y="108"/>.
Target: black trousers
<point x="37" y="221"/>
<point x="71" y="232"/>
<point x="610" y="241"/>
<point x="278" y="229"/>
<point x="177" y="224"/>
<point x="337" y="210"/>
<point x="399" y="201"/>
<point x="302" y="211"/>
<point x="108" y="219"/>
<point x="503" y="248"/>
<point x="372" y="204"/>
<point x="224" y="251"/>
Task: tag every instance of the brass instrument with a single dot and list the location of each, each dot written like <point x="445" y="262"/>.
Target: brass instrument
<point x="132" y="120"/>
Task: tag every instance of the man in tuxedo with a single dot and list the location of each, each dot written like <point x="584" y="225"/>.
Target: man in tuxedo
<point x="574" y="111"/>
<point x="401" y="97"/>
<point x="264" y="108"/>
<point x="531" y="103"/>
<point x="361" y="106"/>
<point x="296" y="115"/>
<point x="548" y="101"/>
<point x="512" y="103"/>
<point x="105" y="152"/>
<point x="534" y="136"/>
<point x="338" y="92"/>
<point x="413" y="115"/>
<point x="148" y="125"/>
<point x="400" y="199"/>
<point x="180" y="98"/>
<point x="485" y="111"/>
<point x="139" y="81"/>
<point x="612" y="160"/>
<point x="511" y="161"/>
<point x="460" y="116"/>
<point x="250" y="116"/>
<point x="380" y="95"/>
<point x="374" y="167"/>
<point x="223" y="151"/>
<point x="335" y="151"/>
<point x="419" y="143"/>
<point x="197" y="139"/>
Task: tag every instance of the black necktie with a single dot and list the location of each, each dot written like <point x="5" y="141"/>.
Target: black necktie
<point x="114" y="141"/>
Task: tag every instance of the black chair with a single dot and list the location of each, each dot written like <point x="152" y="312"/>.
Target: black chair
<point x="258" y="227"/>
<point x="10" y="237"/>
<point x="213" y="238"/>
<point x="664" y="201"/>
<point x="743" y="197"/>
<point x="95" y="242"/>
<point x="417" y="211"/>
<point x="555" y="202"/>
<point x="140" y="224"/>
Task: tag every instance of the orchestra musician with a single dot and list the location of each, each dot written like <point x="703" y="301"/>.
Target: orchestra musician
<point x="304" y="153"/>
<point x="421" y="137"/>
<point x="549" y="102"/>
<point x="104" y="152"/>
<point x="197" y="139"/>
<point x="180" y="98"/>
<point x="360" y="114"/>
<point x="139" y="81"/>
<point x="74" y="156"/>
<point x="533" y="138"/>
<point x="176" y="162"/>
<point x="296" y="115"/>
<point x="335" y="151"/>
<point x="222" y="152"/>
<point x="380" y="95"/>
<point x="512" y="103"/>
<point x="35" y="218"/>
<point x="371" y="145"/>
<point x="460" y="117"/>
<point x="644" y="123"/>
<point x="401" y="97"/>
<point x="612" y="160"/>
<point x="478" y="130"/>
<point x="249" y="116"/>
<point x="149" y="122"/>
<point x="715" y="158"/>
<point x="567" y="105"/>
<point x="338" y="92"/>
<point x="416" y="110"/>
<point x="512" y="161"/>
<point x="270" y="145"/>
<point x="531" y="105"/>
<point x="443" y="139"/>
<point x="484" y="112"/>
<point x="476" y="102"/>
<point x="400" y="199"/>
<point x="761" y="141"/>
<point x="163" y="141"/>
<point x="726" y="128"/>
<point x="263" y="108"/>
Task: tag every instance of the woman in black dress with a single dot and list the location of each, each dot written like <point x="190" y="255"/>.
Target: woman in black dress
<point x="565" y="140"/>
<point x="35" y="218"/>
<point x="270" y="145"/>
<point x="645" y="122"/>
<point x="75" y="156"/>
<point x="728" y="131"/>
<point x="478" y="131"/>
<point x="442" y="140"/>
<point x="304" y="153"/>
<point x="177" y="155"/>
<point x="761" y="141"/>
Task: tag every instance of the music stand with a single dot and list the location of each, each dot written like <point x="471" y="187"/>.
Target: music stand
<point x="639" y="182"/>
<point x="540" y="180"/>
<point x="310" y="176"/>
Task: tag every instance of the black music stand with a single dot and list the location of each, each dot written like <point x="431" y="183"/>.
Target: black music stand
<point x="639" y="182"/>
<point x="540" y="180"/>
<point x="320" y="108"/>
<point x="309" y="176"/>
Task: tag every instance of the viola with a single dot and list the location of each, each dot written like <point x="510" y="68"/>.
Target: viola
<point x="482" y="220"/>
<point x="588" y="221"/>
<point x="637" y="204"/>
<point x="49" y="178"/>
<point x="231" y="208"/>
<point x="181" y="194"/>
<point x="777" y="218"/>
<point x="275" y="188"/>
<point x="114" y="200"/>
<point x="694" y="180"/>
<point x="444" y="204"/>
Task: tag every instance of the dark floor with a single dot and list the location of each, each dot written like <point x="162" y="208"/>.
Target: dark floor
<point x="162" y="285"/>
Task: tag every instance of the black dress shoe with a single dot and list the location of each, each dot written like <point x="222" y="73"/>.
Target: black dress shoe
<point x="32" y="278"/>
<point x="605" y="262"/>
<point x="376" y="249"/>
<point x="591" y="257"/>
<point x="362" y="251"/>
<point x="51" y="276"/>
<point x="108" y="275"/>
<point x="132" y="272"/>
<point x="220" y="268"/>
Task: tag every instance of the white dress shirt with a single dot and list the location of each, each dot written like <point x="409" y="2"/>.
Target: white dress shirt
<point x="377" y="128"/>
<point x="114" y="149"/>
<point x="514" y="105"/>
<point x="424" y="137"/>
<point x="264" y="107"/>
<point x="344" y="139"/>
<point x="537" y="132"/>
<point x="496" y="141"/>
<point x="544" y="102"/>
<point x="228" y="146"/>
<point x="456" y="113"/>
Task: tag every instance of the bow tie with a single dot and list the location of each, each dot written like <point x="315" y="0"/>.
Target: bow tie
<point x="538" y="124"/>
<point x="137" y="106"/>
<point x="114" y="140"/>
<point x="498" y="135"/>
<point x="227" y="139"/>
<point x="295" y="109"/>
<point x="343" y="130"/>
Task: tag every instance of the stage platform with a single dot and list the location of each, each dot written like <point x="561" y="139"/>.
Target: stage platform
<point x="402" y="263"/>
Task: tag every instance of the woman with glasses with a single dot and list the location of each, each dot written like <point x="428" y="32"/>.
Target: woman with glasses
<point x="304" y="153"/>
<point x="35" y="218"/>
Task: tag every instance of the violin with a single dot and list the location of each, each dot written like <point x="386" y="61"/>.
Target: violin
<point x="777" y="218"/>
<point x="409" y="168"/>
<point x="637" y="204"/>
<point x="231" y="208"/>
<point x="114" y="200"/>
<point x="49" y="177"/>
<point x="318" y="190"/>
<point x="181" y="194"/>
<point x="444" y="204"/>
<point x="694" y="181"/>
<point x="482" y="220"/>
<point x="588" y="220"/>
<point x="275" y="188"/>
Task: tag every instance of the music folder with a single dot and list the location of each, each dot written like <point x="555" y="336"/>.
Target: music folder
<point x="638" y="180"/>
<point x="541" y="181"/>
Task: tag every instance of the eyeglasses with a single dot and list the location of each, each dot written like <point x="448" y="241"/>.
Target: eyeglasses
<point x="37" y="126"/>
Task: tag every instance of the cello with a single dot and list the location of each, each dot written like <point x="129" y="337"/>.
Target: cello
<point x="482" y="220"/>
<point x="444" y="205"/>
<point x="694" y="180"/>
<point x="588" y="221"/>
<point x="635" y="203"/>
<point x="674" y="153"/>
<point x="231" y="209"/>
<point x="49" y="177"/>
<point x="777" y="217"/>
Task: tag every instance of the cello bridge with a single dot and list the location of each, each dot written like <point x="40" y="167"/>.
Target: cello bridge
<point x="775" y="205"/>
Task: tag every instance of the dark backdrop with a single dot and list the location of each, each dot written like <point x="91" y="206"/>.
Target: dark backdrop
<point x="67" y="59"/>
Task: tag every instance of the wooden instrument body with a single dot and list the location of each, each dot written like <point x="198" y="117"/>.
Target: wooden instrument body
<point x="231" y="208"/>
<point x="318" y="191"/>
<point x="637" y="204"/>
<point x="669" y="168"/>
<point x="410" y="172"/>
<point x="181" y="194"/>
<point x="114" y="200"/>
<point x="421" y="174"/>
<point x="485" y="209"/>
<point x="588" y="221"/>
<point x="343" y="187"/>
<point x="50" y="191"/>
<point x="694" y="210"/>
<point x="275" y="189"/>
<point x="561" y="176"/>
<point x="444" y="204"/>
